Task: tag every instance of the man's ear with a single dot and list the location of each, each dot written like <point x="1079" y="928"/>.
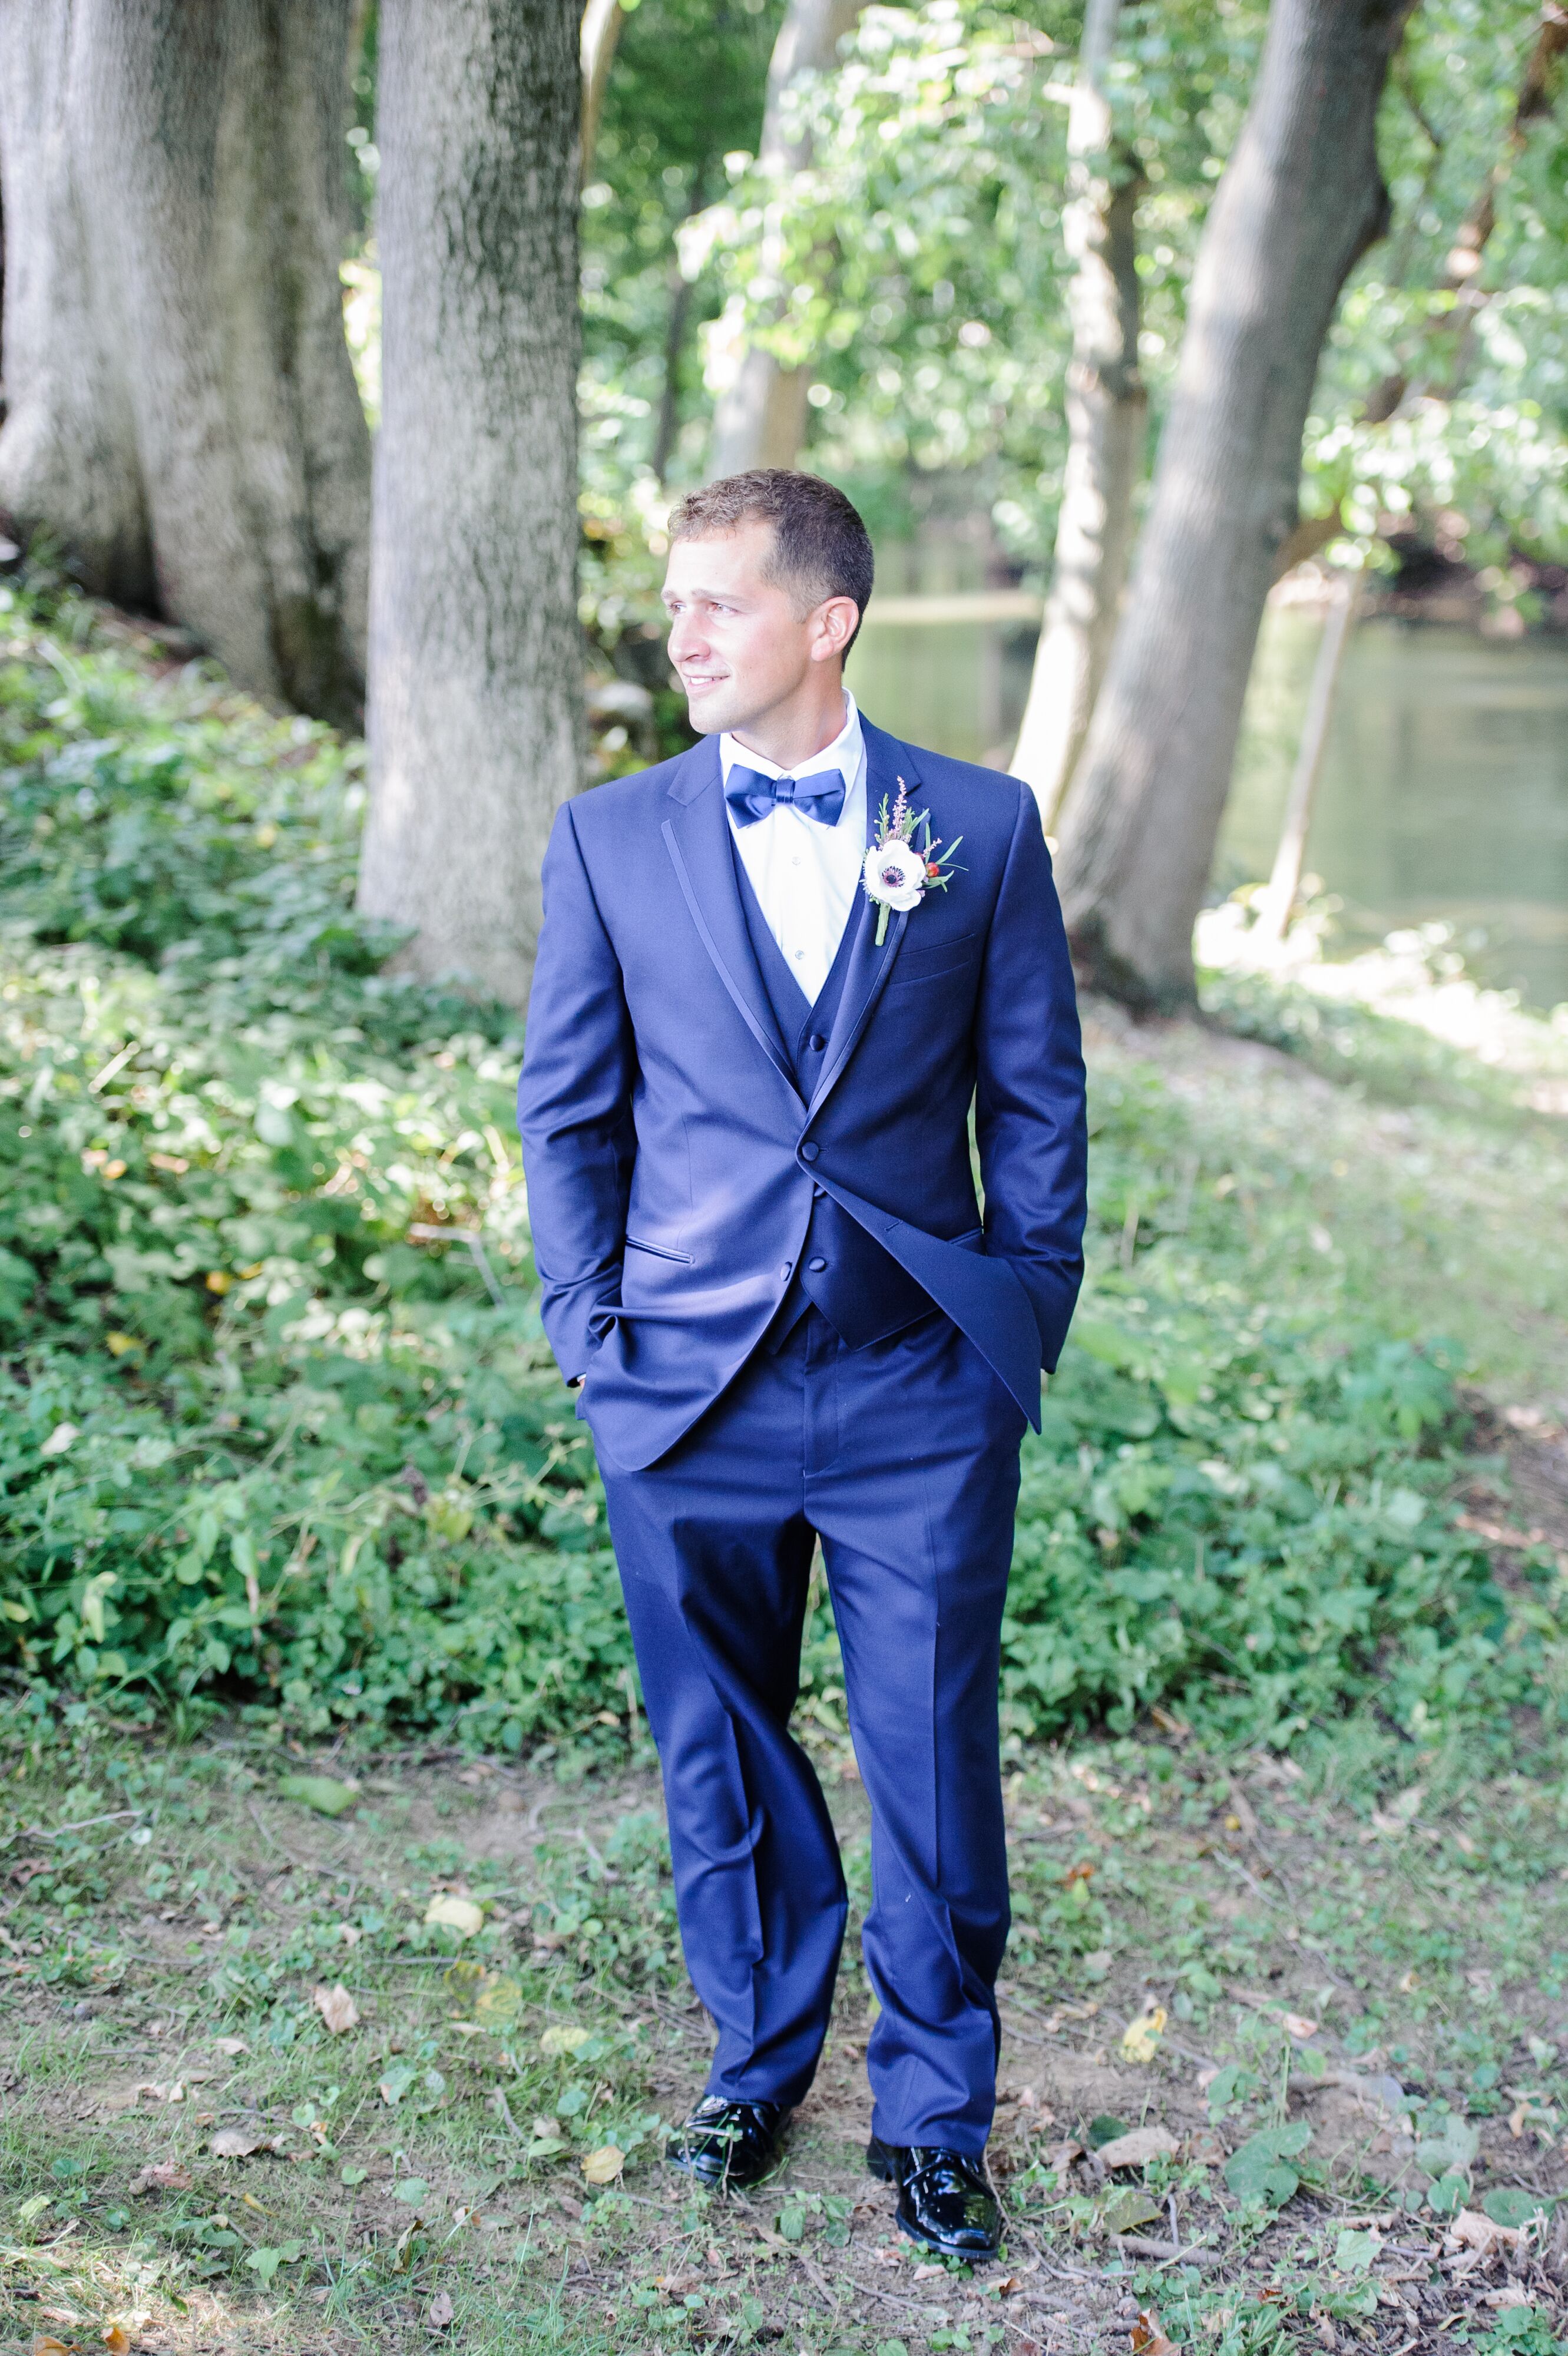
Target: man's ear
<point x="834" y="624"/>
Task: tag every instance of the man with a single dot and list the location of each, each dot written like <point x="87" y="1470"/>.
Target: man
<point x="767" y="993"/>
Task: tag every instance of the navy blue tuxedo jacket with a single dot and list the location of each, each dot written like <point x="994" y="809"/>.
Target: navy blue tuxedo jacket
<point x="669" y="1156"/>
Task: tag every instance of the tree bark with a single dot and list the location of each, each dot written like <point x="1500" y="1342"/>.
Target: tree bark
<point x="1301" y="201"/>
<point x="1107" y="408"/>
<point x="183" y="415"/>
<point x="476" y="714"/>
<point x="1277" y="902"/>
<point x="761" y="420"/>
<point x="601" y="29"/>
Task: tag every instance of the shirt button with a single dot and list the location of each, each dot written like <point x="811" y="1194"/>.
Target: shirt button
<point x="800" y="957"/>
<point x="810" y="1152"/>
<point x="816" y="1266"/>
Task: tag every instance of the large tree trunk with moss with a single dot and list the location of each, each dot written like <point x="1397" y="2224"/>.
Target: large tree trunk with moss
<point x="1301" y="200"/>
<point x="1106" y="407"/>
<point x="476" y="706"/>
<point x="183" y="419"/>
<point x="760" y="420"/>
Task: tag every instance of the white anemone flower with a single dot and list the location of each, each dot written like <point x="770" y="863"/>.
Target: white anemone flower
<point x="895" y="875"/>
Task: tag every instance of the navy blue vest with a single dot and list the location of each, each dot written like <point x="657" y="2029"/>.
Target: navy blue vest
<point x="862" y="1290"/>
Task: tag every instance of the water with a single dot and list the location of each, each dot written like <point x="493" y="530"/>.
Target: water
<point x="1445" y="791"/>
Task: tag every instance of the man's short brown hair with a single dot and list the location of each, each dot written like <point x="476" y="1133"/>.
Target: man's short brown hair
<point x="820" y="547"/>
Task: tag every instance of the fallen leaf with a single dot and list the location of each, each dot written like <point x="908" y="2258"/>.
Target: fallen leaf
<point x="1137" y="2149"/>
<point x="351" y="1933"/>
<point x="1149" y="2337"/>
<point x="116" y="2338"/>
<point x="1141" y="2037"/>
<point x="47" y="2345"/>
<point x="235" y="2143"/>
<point x="499" y="2003"/>
<point x="1472" y="2231"/>
<point x="337" y="2008"/>
<point x="459" y="1914"/>
<point x="231" y="2045"/>
<point x="929" y="2274"/>
<point x="602" y="2167"/>
<point x="564" y="2040"/>
<point x="396" y="2083"/>
<point x="60" y="1439"/>
<point x="439" y="2313"/>
<point x="164" y="2175"/>
<point x="1512" y="2294"/>
<point x="1297" y="2025"/>
<point x="322" y="1792"/>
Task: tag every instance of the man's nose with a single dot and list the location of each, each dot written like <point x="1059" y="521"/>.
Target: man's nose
<point x="687" y="637"/>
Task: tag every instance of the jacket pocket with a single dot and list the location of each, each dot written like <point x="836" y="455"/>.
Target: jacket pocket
<point x="658" y="1251"/>
<point x="916" y="965"/>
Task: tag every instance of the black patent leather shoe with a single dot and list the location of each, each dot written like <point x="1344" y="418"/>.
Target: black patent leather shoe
<point x="945" y="2200"/>
<point x="725" y="2144"/>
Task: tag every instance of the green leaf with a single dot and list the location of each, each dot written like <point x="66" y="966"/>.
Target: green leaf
<point x="1259" y="2171"/>
<point x="413" y="2189"/>
<point x="327" y="1797"/>
<point x="265" y="2262"/>
<point x="352" y="2174"/>
<point x="792" y="2224"/>
<point x="1354" y="2252"/>
<point x="1511" y="2205"/>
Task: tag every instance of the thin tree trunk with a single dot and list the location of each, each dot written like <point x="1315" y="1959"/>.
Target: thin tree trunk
<point x="183" y="414"/>
<point x="1301" y="201"/>
<point x="601" y="29"/>
<point x="1106" y="409"/>
<point x="761" y="420"/>
<point x="476" y="666"/>
<point x="1278" y="898"/>
<point x="1461" y="272"/>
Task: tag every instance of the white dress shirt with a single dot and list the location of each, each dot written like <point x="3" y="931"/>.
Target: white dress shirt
<point x="806" y="874"/>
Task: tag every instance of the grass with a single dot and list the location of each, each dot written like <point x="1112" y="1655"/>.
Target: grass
<point x="1285" y="1681"/>
<point x="1368" y="1951"/>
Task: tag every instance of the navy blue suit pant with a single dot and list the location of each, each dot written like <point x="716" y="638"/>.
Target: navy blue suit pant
<point x="903" y="1457"/>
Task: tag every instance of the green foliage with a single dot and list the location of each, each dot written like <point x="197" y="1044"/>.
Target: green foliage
<point x="262" y="1444"/>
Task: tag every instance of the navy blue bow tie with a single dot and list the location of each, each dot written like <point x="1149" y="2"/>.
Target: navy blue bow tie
<point x="751" y="796"/>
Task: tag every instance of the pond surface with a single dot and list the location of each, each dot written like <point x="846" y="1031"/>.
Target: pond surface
<point x="1443" y="795"/>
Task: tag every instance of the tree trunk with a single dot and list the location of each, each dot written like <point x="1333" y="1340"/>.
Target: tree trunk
<point x="1449" y="332"/>
<point x="1277" y="902"/>
<point x="761" y="420"/>
<point x="602" y="21"/>
<point x="1301" y="201"/>
<point x="476" y="664"/>
<point x="1106" y="409"/>
<point x="183" y="415"/>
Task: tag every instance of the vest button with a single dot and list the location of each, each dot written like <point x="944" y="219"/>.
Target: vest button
<point x="817" y="1044"/>
<point x="810" y="1152"/>
<point x="786" y="1266"/>
<point x="816" y="1266"/>
<point x="818" y="1194"/>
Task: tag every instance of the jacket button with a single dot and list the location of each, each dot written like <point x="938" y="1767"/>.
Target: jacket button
<point x="817" y="1044"/>
<point x="810" y="1152"/>
<point x="816" y="1266"/>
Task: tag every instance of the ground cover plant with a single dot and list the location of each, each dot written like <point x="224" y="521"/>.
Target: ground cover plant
<point x="310" y="2056"/>
<point x="344" y="2006"/>
<point x="279" y="1427"/>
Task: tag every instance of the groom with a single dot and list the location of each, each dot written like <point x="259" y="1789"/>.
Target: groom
<point x="752" y="1053"/>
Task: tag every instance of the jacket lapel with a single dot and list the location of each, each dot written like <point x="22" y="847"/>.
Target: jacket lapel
<point x="886" y="762"/>
<point x="697" y="837"/>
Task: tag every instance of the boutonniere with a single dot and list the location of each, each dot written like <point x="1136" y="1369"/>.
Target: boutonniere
<point x="903" y="863"/>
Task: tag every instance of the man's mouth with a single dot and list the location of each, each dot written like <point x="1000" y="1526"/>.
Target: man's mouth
<point x="695" y="682"/>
